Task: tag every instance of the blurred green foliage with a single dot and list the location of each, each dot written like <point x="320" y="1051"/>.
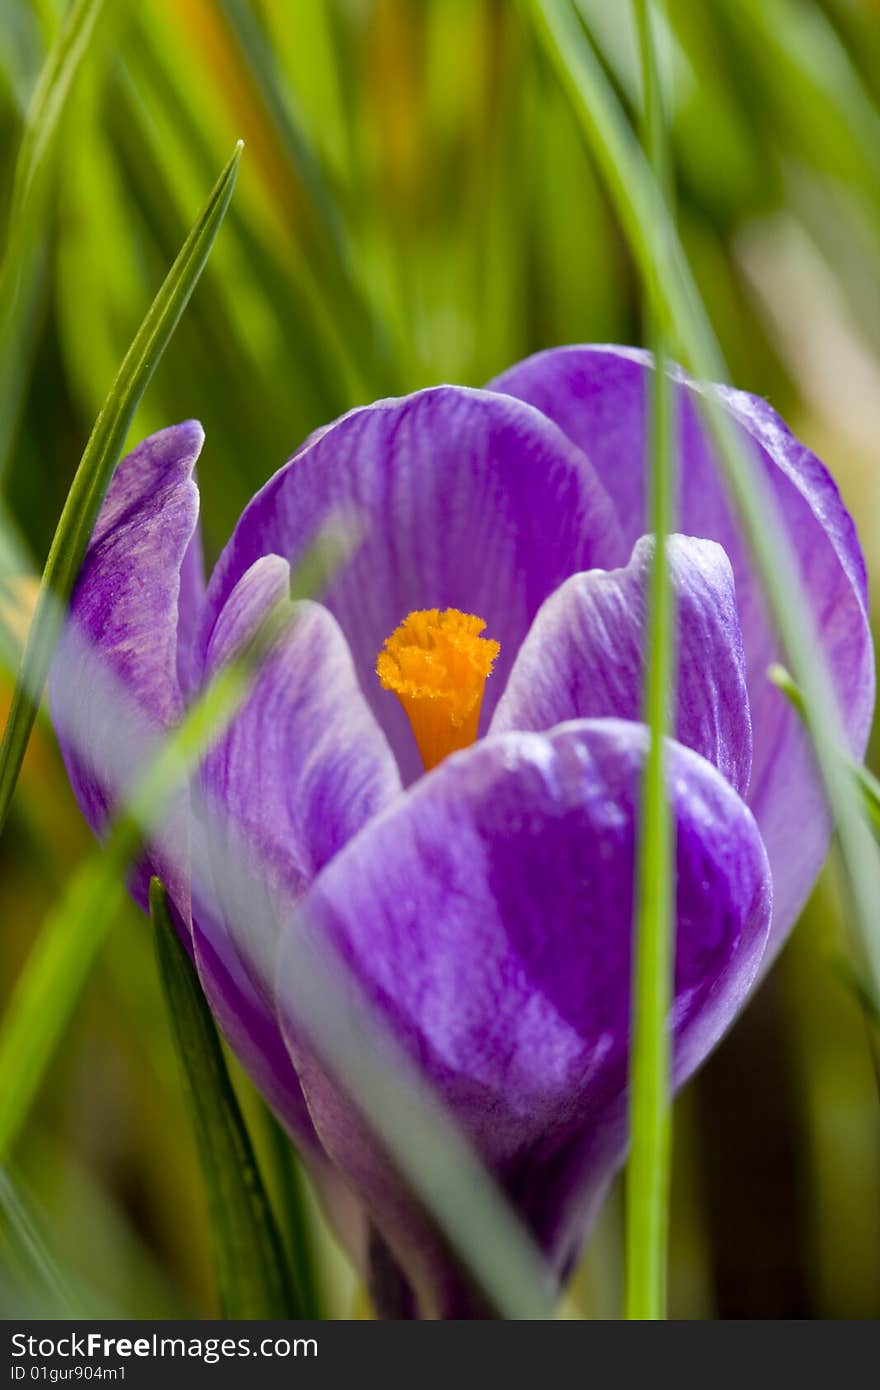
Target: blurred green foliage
<point x="415" y="205"/>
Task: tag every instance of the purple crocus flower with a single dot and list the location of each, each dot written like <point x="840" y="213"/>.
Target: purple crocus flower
<point x="483" y="906"/>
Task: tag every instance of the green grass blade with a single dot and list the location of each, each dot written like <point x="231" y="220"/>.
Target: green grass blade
<point x="633" y="191"/>
<point x="648" y="1173"/>
<point x="868" y="785"/>
<point x="250" y="1261"/>
<point x="34" y="1273"/>
<point x="261" y="59"/>
<point x="48" y="103"/>
<point x="53" y="979"/>
<point x="326" y="240"/>
<point x="94" y="472"/>
<point x="294" y="1216"/>
<point x="23" y="259"/>
<point x="851" y="971"/>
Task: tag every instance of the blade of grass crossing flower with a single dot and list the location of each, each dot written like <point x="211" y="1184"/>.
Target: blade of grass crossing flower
<point x="251" y="1266"/>
<point x="632" y="188"/>
<point x="850" y="971"/>
<point x="648" y="1173"/>
<point x="94" y="473"/>
<point x="431" y="1151"/>
<point x="870" y="790"/>
<point x="47" y="991"/>
<point x="869" y="786"/>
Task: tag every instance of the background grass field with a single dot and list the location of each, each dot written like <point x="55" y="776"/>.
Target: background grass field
<point x="415" y="204"/>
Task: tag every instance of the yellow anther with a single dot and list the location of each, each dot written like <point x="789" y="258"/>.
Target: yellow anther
<point x="437" y="664"/>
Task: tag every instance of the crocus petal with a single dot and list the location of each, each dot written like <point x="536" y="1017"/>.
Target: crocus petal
<point x="585" y="652"/>
<point x="115" y="693"/>
<point x="303" y="765"/>
<point x="487" y="917"/>
<point x="251" y="1028"/>
<point x="465" y="499"/>
<point x="598" y="397"/>
<point x="190" y="603"/>
<point x="124" y="614"/>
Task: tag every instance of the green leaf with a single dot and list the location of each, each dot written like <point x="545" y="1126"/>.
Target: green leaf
<point x="251" y="1266"/>
<point x="94" y="473"/>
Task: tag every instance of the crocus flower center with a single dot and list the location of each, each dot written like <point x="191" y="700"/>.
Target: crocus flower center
<point x="437" y="664"/>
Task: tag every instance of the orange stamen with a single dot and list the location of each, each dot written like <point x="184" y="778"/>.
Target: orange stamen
<point x="437" y="665"/>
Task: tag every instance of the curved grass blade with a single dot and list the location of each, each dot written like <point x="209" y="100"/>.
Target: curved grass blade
<point x="638" y="203"/>
<point x="94" y="472"/>
<point x="251" y="1265"/>
<point x="648" y="1172"/>
<point x="868" y="785"/>
<point x="850" y="971"/>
